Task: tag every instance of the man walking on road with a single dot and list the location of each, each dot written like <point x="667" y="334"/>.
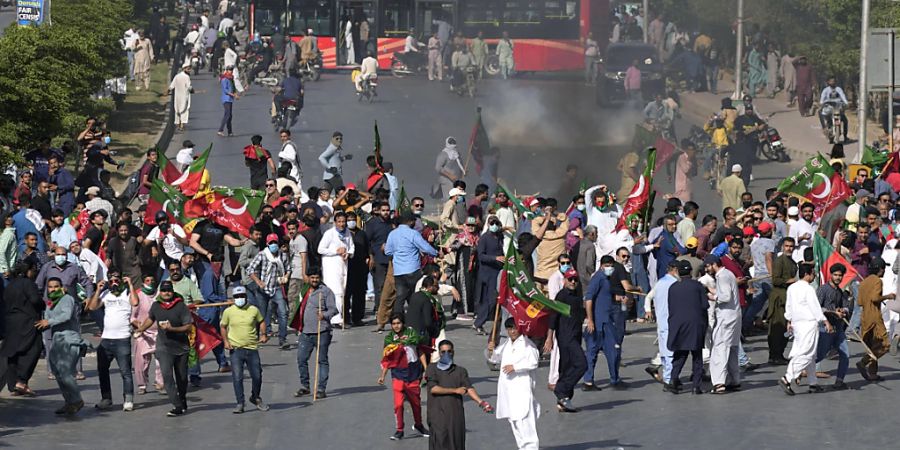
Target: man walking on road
<point x="181" y="86"/>
<point x="804" y="313"/>
<point x="228" y="97"/>
<point x="518" y="359"/>
<point x="243" y="329"/>
<point x="316" y="311"/>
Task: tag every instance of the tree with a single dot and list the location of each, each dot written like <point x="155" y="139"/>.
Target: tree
<point x="49" y="73"/>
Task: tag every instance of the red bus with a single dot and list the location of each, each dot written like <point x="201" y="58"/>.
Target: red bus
<point x="546" y="33"/>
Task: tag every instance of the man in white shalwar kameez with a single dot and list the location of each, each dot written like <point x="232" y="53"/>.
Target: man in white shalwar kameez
<point x="518" y="359"/>
<point x="804" y="314"/>
<point x="726" y="337"/>
<point x="181" y="86"/>
<point x="336" y="247"/>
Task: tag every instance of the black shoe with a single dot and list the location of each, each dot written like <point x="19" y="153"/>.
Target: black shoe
<point x="175" y="412"/>
<point x="301" y="392"/>
<point x="589" y="387"/>
<point x="750" y="367"/>
<point x="654" y="373"/>
<point x="732" y="387"/>
<point x="778" y="362"/>
<point x="785" y="386"/>
<point x="565" y="405"/>
<point x="670" y="389"/>
<point x="839" y="386"/>
<point x="696" y="391"/>
<point x="816" y="389"/>
<point x="397" y="436"/>
<point x="320" y="395"/>
<point x="285" y="346"/>
<point x="619" y="386"/>
<point x="421" y="430"/>
<point x="862" y="370"/>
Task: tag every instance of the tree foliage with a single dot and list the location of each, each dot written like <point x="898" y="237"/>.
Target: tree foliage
<point x="49" y="73"/>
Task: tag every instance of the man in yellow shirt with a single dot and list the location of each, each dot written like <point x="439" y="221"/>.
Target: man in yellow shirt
<point x="242" y="327"/>
<point x="731" y="188"/>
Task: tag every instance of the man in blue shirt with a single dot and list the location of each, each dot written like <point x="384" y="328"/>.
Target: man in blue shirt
<point x="291" y="89"/>
<point x="228" y="98"/>
<point x="600" y="333"/>
<point x="404" y="245"/>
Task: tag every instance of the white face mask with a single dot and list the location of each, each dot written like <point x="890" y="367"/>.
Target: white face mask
<point x="580" y="207"/>
<point x="59" y="259"/>
<point x="240" y="302"/>
<point x="351" y="224"/>
<point x="608" y="271"/>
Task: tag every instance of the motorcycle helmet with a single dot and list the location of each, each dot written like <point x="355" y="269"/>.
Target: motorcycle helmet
<point x="220" y="34"/>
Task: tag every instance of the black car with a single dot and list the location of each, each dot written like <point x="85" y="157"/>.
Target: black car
<point x="617" y="59"/>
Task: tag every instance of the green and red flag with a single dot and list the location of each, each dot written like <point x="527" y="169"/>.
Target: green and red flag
<point x="479" y="142"/>
<point x="638" y="200"/>
<point x="203" y="338"/>
<point x="645" y="137"/>
<point x="377" y="173"/>
<point x="297" y="306"/>
<point x="189" y="180"/>
<point x="826" y="256"/>
<point x="817" y="182"/>
<point x="404" y="205"/>
<point x="164" y="197"/>
<point x="526" y="303"/>
<point x="233" y="208"/>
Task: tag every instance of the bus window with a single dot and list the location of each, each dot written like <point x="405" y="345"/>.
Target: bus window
<point x="357" y="30"/>
<point x="533" y="19"/>
<point x="397" y="18"/>
<point x="482" y="16"/>
<point x="267" y="16"/>
<point x="310" y="14"/>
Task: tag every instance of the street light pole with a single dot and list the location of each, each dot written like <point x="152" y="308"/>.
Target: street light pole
<point x="646" y="24"/>
<point x="863" y="89"/>
<point x="739" y="54"/>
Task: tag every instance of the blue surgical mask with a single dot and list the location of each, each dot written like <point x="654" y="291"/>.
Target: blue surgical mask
<point x="608" y="270"/>
<point x="564" y="268"/>
<point x="351" y="224"/>
<point x="59" y="259"/>
<point x="493" y="228"/>
<point x="107" y="140"/>
<point x="240" y="302"/>
<point x="445" y="361"/>
<point x="273" y="248"/>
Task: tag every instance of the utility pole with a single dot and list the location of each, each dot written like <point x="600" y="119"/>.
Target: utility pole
<point x="863" y="89"/>
<point x="646" y="24"/>
<point x="739" y="54"/>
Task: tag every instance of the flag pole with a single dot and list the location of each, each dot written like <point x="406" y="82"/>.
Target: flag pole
<point x="318" y="341"/>
<point x="856" y="335"/>
<point x="496" y="318"/>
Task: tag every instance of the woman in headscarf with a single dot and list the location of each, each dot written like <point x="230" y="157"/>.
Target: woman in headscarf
<point x="21" y="350"/>
<point x="756" y="65"/>
<point x="449" y="169"/>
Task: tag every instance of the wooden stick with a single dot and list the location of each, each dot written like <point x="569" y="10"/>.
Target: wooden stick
<point x="318" y="341"/>
<point x="855" y="334"/>
<point x="496" y="318"/>
<point x="210" y="305"/>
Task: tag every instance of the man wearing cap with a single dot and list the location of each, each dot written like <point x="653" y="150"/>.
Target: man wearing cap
<point x="268" y="271"/>
<point x="181" y="85"/>
<point x="243" y="329"/>
<point x="690" y="256"/>
<point x="856" y="212"/>
<point x="185" y="156"/>
<point x="95" y="203"/>
<point x="723" y="361"/>
<point x="174" y="321"/>
<point x="450" y="219"/>
<point x="687" y="325"/>
<point x="731" y="188"/>
<point x="566" y="331"/>
<point x="762" y="251"/>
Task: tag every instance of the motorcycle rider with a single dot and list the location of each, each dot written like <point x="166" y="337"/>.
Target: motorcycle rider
<point x="291" y="88"/>
<point x="460" y="63"/>
<point x="658" y="114"/>
<point x="834" y="95"/>
<point x="411" y="54"/>
<point x="368" y="71"/>
<point x="218" y="52"/>
<point x="307" y="49"/>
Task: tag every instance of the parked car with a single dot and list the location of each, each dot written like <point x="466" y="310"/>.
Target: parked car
<point x="614" y="63"/>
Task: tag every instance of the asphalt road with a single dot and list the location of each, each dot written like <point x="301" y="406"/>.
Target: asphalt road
<point x="541" y="125"/>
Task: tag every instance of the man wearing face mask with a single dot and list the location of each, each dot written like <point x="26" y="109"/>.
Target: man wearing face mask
<point x="243" y="329"/>
<point x="490" y="261"/>
<point x="357" y="271"/>
<point x="61" y="319"/>
<point x="336" y="249"/>
<point x="601" y="212"/>
<point x="268" y="272"/>
<point x="169" y="236"/>
<point x="555" y="283"/>
<point x="447" y="384"/>
<point x="115" y="342"/>
<point x="449" y="216"/>
<point x="600" y="331"/>
<point x="553" y="241"/>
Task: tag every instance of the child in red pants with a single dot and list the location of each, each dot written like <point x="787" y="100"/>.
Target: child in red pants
<point x="407" y="364"/>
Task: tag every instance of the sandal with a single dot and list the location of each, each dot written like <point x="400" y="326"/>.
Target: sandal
<point x="718" y="389"/>
<point x="24" y="391"/>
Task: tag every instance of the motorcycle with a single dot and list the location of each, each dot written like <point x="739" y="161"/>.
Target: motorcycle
<point x="409" y="63"/>
<point x="195" y="61"/>
<point x="311" y="70"/>
<point x="287" y="115"/>
<point x="209" y="58"/>
<point x="770" y="144"/>
<point x="368" y="90"/>
<point x="467" y="87"/>
<point x="834" y="126"/>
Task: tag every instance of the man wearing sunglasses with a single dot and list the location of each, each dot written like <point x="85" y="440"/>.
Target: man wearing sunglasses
<point x="331" y="159"/>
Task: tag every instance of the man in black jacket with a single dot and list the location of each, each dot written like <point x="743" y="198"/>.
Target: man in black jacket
<point x="420" y="312"/>
<point x="572" y="362"/>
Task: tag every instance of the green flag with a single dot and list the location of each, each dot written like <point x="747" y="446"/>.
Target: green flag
<point x="518" y="203"/>
<point x="523" y="286"/>
<point x="403" y="204"/>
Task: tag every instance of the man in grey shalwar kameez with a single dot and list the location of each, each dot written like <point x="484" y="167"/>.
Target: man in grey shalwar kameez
<point x="68" y="345"/>
<point x="726" y="336"/>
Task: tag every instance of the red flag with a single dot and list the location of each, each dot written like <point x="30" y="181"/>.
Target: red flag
<point x="531" y="318"/>
<point x="206" y="338"/>
<point x="189" y="180"/>
<point x="639" y="199"/>
<point x="826" y="256"/>
<point x="235" y="209"/>
<point x="296" y="322"/>
<point x="665" y="151"/>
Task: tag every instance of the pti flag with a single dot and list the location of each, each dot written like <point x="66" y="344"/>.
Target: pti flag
<point x="233" y="208"/>
<point x="639" y="199"/>
<point x="164" y="197"/>
<point x="817" y="182"/>
<point x="826" y="256"/>
<point x="528" y="306"/>
<point x="189" y="180"/>
<point x="404" y="205"/>
<point x="479" y="143"/>
<point x="203" y="338"/>
<point x="523" y="211"/>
